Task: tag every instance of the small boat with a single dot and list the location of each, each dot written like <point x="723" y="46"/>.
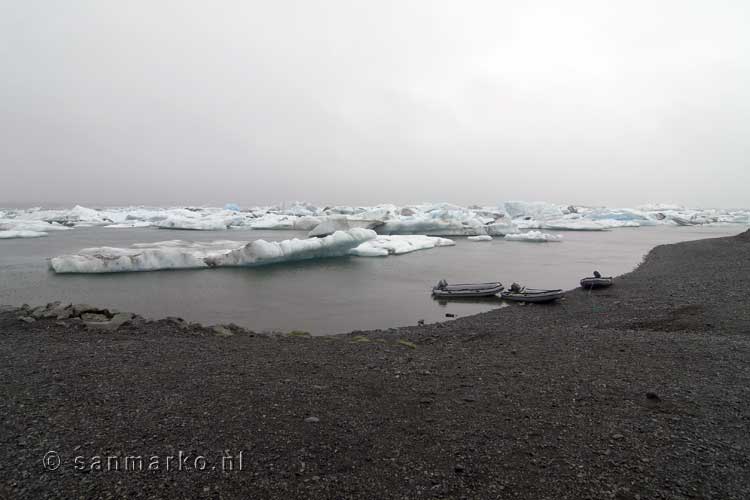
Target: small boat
<point x="597" y="281"/>
<point x="444" y="290"/>
<point x="532" y="295"/>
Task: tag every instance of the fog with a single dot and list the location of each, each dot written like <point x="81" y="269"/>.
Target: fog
<point x="362" y="102"/>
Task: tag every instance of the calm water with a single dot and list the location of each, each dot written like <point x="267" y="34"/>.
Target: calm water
<point x="325" y="296"/>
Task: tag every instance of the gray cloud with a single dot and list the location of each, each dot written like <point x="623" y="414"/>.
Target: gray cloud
<point x="358" y="102"/>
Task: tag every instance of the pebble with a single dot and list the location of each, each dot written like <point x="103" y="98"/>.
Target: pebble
<point x="312" y="420"/>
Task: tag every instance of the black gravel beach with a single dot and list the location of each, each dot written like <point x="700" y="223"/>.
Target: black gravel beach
<point x="640" y="391"/>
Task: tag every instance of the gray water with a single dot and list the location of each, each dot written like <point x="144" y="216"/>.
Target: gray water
<point x="324" y="296"/>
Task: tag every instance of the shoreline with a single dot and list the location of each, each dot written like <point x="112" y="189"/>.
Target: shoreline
<point x="638" y="391"/>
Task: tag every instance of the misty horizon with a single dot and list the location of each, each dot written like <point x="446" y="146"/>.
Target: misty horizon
<point x="354" y="103"/>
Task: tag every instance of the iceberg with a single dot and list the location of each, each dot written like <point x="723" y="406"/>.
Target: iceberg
<point x="382" y="246"/>
<point x="532" y="210"/>
<point x="573" y="225"/>
<point x="426" y="219"/>
<point x="261" y="252"/>
<point x="5" y="235"/>
<point x="481" y="237"/>
<point x="173" y="254"/>
<point x="274" y="221"/>
<point x="177" y="254"/>
<point x="534" y="236"/>
<point x="501" y="227"/>
<point x="194" y="224"/>
<point x="29" y="226"/>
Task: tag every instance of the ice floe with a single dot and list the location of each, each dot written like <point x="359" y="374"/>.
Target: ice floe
<point x="534" y="237"/>
<point x="382" y="245"/>
<point x="431" y="219"/>
<point x="6" y="235"/>
<point x="173" y="254"/>
<point x="178" y="254"/>
<point x="261" y="252"/>
<point x="481" y="237"/>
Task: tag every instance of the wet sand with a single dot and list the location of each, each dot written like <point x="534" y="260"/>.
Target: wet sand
<point x="638" y="391"/>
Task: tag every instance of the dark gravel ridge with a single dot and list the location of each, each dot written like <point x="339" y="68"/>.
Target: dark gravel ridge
<point x="639" y="391"/>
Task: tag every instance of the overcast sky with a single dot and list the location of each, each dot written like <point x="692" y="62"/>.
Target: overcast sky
<point x="360" y="102"/>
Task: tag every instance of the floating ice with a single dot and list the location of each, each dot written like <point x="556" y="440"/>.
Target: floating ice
<point x="399" y="244"/>
<point x="195" y="224"/>
<point x="534" y="236"/>
<point x="174" y="254"/>
<point x="436" y="220"/>
<point x="431" y="219"/>
<point x="481" y="237"/>
<point x="29" y="226"/>
<point x="573" y="225"/>
<point x="261" y="252"/>
<point x="178" y="254"/>
<point x="532" y="209"/>
<point x="6" y="235"/>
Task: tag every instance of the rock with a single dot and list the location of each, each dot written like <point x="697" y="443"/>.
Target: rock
<point x="420" y="322"/>
<point x="312" y="420"/>
<point x="27" y="319"/>
<point x="178" y="322"/>
<point x="65" y="313"/>
<point x="459" y="468"/>
<point x="38" y="312"/>
<point x="652" y="399"/>
<point x="450" y="315"/>
<point x="120" y="319"/>
<point x="59" y="310"/>
<point x="617" y="437"/>
<point x="90" y="317"/>
<point x="79" y="309"/>
<point x="222" y="331"/>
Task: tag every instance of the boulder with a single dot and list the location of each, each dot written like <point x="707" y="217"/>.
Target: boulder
<point x="79" y="309"/>
<point x="90" y="317"/>
<point x="222" y="331"/>
<point x="57" y="311"/>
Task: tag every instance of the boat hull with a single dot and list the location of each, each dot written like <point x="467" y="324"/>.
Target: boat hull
<point x="533" y="296"/>
<point x="596" y="282"/>
<point x="467" y="290"/>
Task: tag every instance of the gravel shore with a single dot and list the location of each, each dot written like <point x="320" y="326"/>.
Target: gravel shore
<point x="640" y="391"/>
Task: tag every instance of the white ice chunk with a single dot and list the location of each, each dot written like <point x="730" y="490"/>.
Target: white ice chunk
<point x="574" y="225"/>
<point x="274" y="221"/>
<point x="534" y="236"/>
<point x="532" y="209"/>
<point x="399" y="244"/>
<point x="501" y="227"/>
<point x="261" y="252"/>
<point x="481" y="237"/>
<point x="141" y="257"/>
<point x="5" y="235"/>
<point x="192" y="223"/>
<point x="178" y="254"/>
